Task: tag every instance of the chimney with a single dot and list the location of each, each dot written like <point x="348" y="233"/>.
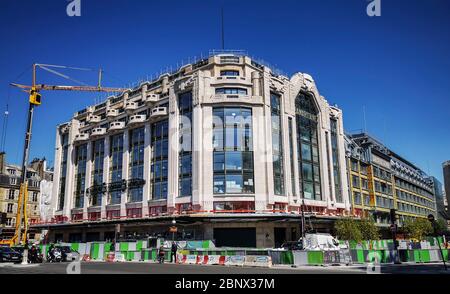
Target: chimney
<point x="2" y="162"/>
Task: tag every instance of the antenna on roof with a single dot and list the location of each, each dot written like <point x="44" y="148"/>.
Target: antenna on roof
<point x="365" y="123"/>
<point x="223" y="30"/>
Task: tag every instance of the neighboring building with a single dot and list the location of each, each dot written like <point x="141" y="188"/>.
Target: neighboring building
<point x="225" y="146"/>
<point x="439" y="195"/>
<point x="381" y="180"/>
<point x="446" y="171"/>
<point x="45" y="188"/>
<point x="9" y="193"/>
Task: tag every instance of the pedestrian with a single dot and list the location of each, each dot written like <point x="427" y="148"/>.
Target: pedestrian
<point x="161" y="254"/>
<point x="173" y="254"/>
<point x="33" y="254"/>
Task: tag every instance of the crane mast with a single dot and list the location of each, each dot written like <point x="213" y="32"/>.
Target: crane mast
<point x="21" y="228"/>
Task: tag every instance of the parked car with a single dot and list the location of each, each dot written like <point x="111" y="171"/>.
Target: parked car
<point x="9" y="255"/>
<point x="20" y="250"/>
<point x="68" y="254"/>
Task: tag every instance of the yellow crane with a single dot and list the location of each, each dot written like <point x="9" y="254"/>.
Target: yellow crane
<point x="21" y="228"/>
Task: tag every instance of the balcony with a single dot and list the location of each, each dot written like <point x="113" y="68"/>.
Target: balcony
<point x="81" y="137"/>
<point x="138" y="118"/>
<point x="94" y="119"/>
<point x="117" y="125"/>
<point x="151" y="98"/>
<point x="158" y="112"/>
<point x="131" y="106"/>
<point x="111" y="113"/>
<point x="98" y="132"/>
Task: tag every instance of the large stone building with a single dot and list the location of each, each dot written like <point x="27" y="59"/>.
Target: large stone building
<point x="9" y="193"/>
<point x="225" y="148"/>
<point x="381" y="180"/>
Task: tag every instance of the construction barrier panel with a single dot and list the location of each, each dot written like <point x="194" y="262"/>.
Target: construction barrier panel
<point x="119" y="257"/>
<point x="381" y="252"/>
<point x="191" y="259"/>
<point x="258" y="260"/>
<point x="236" y="260"/>
<point x="216" y="260"/>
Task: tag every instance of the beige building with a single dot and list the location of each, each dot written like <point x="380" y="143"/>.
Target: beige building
<point x="381" y="180"/>
<point x="10" y="176"/>
<point x="225" y="147"/>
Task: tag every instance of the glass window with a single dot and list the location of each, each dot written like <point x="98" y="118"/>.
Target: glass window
<point x="248" y="183"/>
<point x="307" y="171"/>
<point x="308" y="190"/>
<point x="185" y="187"/>
<point x="80" y="176"/>
<point x="219" y="184"/>
<point x="186" y="168"/>
<point x="219" y="161"/>
<point x="229" y="73"/>
<point x="237" y="157"/>
<point x="185" y="145"/>
<point x="308" y="155"/>
<point x="229" y="91"/>
<point x="233" y="161"/>
<point x="277" y="145"/>
<point x="159" y="167"/>
<point x="234" y="183"/>
<point x="306" y="152"/>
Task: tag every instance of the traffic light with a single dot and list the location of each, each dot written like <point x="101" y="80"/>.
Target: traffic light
<point x="3" y="216"/>
<point x="393" y="215"/>
<point x="35" y="97"/>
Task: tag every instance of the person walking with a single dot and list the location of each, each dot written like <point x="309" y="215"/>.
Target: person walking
<point x="173" y="253"/>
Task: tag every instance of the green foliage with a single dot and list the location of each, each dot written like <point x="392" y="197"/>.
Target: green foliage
<point x="356" y="230"/>
<point x="369" y="230"/>
<point x="418" y="228"/>
<point x="441" y="226"/>
<point x="348" y="229"/>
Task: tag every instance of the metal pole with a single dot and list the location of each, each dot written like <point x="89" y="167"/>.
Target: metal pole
<point x="303" y="219"/>
<point x="442" y="254"/>
<point x="23" y="183"/>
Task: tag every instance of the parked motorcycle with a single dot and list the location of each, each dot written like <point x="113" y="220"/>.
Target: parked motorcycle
<point x="55" y="255"/>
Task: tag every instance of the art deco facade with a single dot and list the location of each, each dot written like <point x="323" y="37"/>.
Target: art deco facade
<point x="225" y="135"/>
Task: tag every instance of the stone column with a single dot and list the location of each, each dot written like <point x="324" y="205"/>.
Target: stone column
<point x="147" y="166"/>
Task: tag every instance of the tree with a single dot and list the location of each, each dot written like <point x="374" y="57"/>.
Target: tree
<point x="417" y="228"/>
<point x="369" y="230"/>
<point x="348" y="229"/>
<point x="441" y="226"/>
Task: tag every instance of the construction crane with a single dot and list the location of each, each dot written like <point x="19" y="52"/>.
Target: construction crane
<point x="21" y="230"/>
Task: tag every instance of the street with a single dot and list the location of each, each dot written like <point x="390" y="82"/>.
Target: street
<point x="154" y="268"/>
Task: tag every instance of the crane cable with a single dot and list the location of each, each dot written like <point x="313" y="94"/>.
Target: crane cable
<point x="6" y="114"/>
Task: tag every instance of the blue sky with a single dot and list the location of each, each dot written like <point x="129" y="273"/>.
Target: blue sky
<point x="397" y="65"/>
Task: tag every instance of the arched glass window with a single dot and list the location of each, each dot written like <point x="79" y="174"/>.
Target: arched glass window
<point x="308" y="146"/>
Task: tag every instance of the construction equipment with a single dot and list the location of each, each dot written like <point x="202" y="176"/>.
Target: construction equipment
<point x="21" y="229"/>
